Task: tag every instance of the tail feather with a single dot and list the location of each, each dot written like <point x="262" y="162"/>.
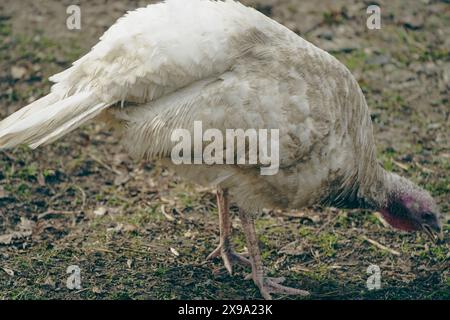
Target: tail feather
<point x="20" y="114"/>
<point x="70" y="125"/>
<point x="48" y="119"/>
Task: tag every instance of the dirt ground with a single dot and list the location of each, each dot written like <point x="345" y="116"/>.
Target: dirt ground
<point x="138" y="232"/>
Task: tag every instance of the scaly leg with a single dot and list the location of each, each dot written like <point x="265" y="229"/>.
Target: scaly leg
<point x="225" y="249"/>
<point x="265" y="284"/>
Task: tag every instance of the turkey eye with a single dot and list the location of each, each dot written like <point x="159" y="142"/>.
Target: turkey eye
<point x="427" y="216"/>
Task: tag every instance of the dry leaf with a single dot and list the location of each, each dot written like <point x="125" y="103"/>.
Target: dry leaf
<point x="118" y="228"/>
<point x="120" y="158"/>
<point x="122" y="228"/>
<point x="10" y="272"/>
<point x="293" y="249"/>
<point x="129" y="228"/>
<point x="174" y="252"/>
<point x="96" y="290"/>
<point x="129" y="263"/>
<point x="41" y="179"/>
<point x="3" y="193"/>
<point x="100" y="211"/>
<point x="50" y="282"/>
<point x="6" y="238"/>
<point x="122" y="179"/>
<point x="26" y="224"/>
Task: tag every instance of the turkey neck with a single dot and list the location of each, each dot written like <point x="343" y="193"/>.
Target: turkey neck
<point x="365" y="185"/>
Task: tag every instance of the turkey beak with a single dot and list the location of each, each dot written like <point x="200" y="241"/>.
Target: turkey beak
<point x="426" y="228"/>
<point x="434" y="235"/>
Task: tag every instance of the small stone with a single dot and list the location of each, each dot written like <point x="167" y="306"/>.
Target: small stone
<point x="412" y="22"/>
<point x="327" y="35"/>
<point x="340" y="45"/>
<point x="18" y="72"/>
<point x="379" y="60"/>
<point x="434" y="126"/>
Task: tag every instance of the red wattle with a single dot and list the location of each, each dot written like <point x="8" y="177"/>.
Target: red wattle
<point x="400" y="223"/>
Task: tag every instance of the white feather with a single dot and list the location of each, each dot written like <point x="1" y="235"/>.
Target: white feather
<point x="163" y="66"/>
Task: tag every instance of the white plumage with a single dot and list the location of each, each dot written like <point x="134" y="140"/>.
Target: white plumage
<point x="165" y="66"/>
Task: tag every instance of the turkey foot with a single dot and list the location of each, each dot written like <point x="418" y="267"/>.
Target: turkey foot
<point x="265" y="284"/>
<point x="273" y="285"/>
<point x="229" y="256"/>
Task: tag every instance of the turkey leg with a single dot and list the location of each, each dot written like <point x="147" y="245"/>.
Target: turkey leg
<point x="225" y="249"/>
<point x="265" y="284"/>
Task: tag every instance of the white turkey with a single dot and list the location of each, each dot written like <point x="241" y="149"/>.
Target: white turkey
<point x="165" y="66"/>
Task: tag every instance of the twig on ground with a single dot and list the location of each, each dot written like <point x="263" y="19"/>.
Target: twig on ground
<point x="82" y="290"/>
<point x="56" y="212"/>
<point x="165" y="214"/>
<point x="422" y="168"/>
<point x="83" y="196"/>
<point x="104" y="165"/>
<point x="382" y="247"/>
<point x="101" y="250"/>
<point x="326" y="224"/>
<point x="400" y="165"/>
